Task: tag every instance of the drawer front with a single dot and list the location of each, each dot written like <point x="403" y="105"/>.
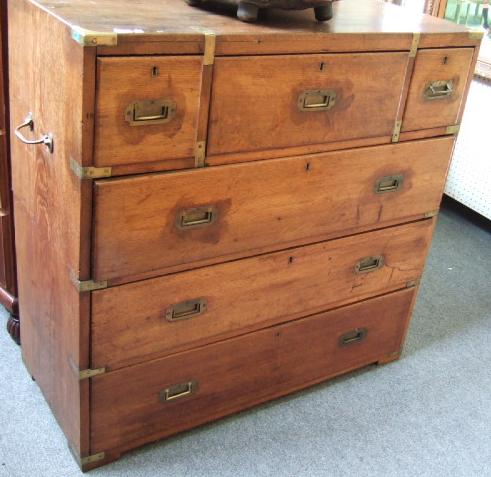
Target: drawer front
<point x="157" y="399"/>
<point x="139" y="321"/>
<point x="284" y="101"/>
<point x="146" y="109"/>
<point x="437" y="88"/>
<point x="250" y="208"/>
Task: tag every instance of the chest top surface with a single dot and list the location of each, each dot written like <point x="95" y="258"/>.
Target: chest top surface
<point x="160" y="17"/>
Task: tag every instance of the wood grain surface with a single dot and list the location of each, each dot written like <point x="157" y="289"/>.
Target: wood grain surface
<point x="367" y="25"/>
<point x="437" y="65"/>
<point x="123" y="81"/>
<point x="239" y="373"/>
<point x="129" y="322"/>
<point x="51" y="206"/>
<point x="260" y="206"/>
<point x="257" y="97"/>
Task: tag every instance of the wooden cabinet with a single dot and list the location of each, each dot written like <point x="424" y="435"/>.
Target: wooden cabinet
<point x="8" y="276"/>
<point x="218" y="214"/>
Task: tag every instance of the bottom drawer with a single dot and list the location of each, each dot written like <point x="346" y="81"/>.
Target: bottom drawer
<point x="149" y="401"/>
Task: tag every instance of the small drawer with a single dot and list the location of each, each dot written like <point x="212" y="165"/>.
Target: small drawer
<point x="157" y="399"/>
<point x="437" y="87"/>
<point x="276" y="102"/>
<point x="152" y="318"/>
<point x="169" y="222"/>
<point x="146" y="109"/>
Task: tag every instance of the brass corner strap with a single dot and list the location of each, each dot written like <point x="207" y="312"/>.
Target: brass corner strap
<point x="210" y="47"/>
<point x="431" y="213"/>
<point x="82" y="374"/>
<point x="94" y="38"/>
<point x="414" y="45"/>
<point x="200" y="154"/>
<point x="396" y="133"/>
<point x="207" y="72"/>
<point x="454" y="129"/>
<point x="87" y="285"/>
<point x="476" y="35"/>
<point x="92" y="458"/>
<point x="412" y="283"/>
<point x="84" y="461"/>
<point x="89" y="172"/>
<point x="90" y="373"/>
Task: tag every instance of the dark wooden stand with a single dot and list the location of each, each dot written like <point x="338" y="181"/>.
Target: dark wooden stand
<point x="8" y="276"/>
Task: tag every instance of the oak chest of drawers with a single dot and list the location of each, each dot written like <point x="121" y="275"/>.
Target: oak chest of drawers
<point x="216" y="213"/>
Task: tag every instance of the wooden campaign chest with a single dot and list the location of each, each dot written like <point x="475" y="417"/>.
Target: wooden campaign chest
<point x="211" y="214"/>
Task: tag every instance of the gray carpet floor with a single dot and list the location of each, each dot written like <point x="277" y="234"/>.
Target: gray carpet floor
<point x="428" y="414"/>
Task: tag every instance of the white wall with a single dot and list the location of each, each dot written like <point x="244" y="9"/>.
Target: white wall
<point x="469" y="178"/>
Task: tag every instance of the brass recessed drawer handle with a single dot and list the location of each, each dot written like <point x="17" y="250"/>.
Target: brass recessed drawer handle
<point x="369" y="264"/>
<point x="439" y="90"/>
<point x="317" y="100"/>
<point x="389" y="184"/>
<point x="196" y="217"/>
<point x="46" y="139"/>
<point x="354" y="336"/>
<point x="178" y="391"/>
<point x="144" y="113"/>
<point x="185" y="310"/>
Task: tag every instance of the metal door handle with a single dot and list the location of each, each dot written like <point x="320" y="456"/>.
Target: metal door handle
<point x="439" y="89"/>
<point x="185" y="310"/>
<point x="355" y="336"/>
<point x="144" y="113"/>
<point x="47" y="139"/>
<point x="317" y="100"/>
<point x="369" y="264"/>
<point x="178" y="391"/>
<point x="196" y="217"/>
<point x="388" y="184"/>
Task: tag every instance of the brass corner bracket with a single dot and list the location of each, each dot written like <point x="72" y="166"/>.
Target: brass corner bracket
<point x="476" y="35"/>
<point x="94" y="38"/>
<point x="88" y="285"/>
<point x="412" y="283"/>
<point x="85" y="461"/>
<point x="82" y="374"/>
<point x="414" y="45"/>
<point x="90" y="373"/>
<point x="89" y="172"/>
<point x="90" y="459"/>
<point x="210" y="47"/>
<point x="454" y="129"/>
<point x="431" y="213"/>
<point x="396" y="134"/>
<point x="200" y="154"/>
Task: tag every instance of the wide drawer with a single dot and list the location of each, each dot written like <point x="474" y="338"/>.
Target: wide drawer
<point x="275" y="102"/>
<point x="165" y="396"/>
<point x="437" y="88"/>
<point x="147" y="110"/>
<point x="139" y="321"/>
<point x="169" y="222"/>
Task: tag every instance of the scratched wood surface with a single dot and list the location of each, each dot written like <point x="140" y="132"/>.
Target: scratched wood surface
<point x="451" y="65"/>
<point x="260" y="206"/>
<point x="266" y="364"/>
<point x="264" y="92"/>
<point x="50" y="206"/>
<point x="153" y="23"/>
<point x="129" y="322"/>
<point x="124" y="81"/>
